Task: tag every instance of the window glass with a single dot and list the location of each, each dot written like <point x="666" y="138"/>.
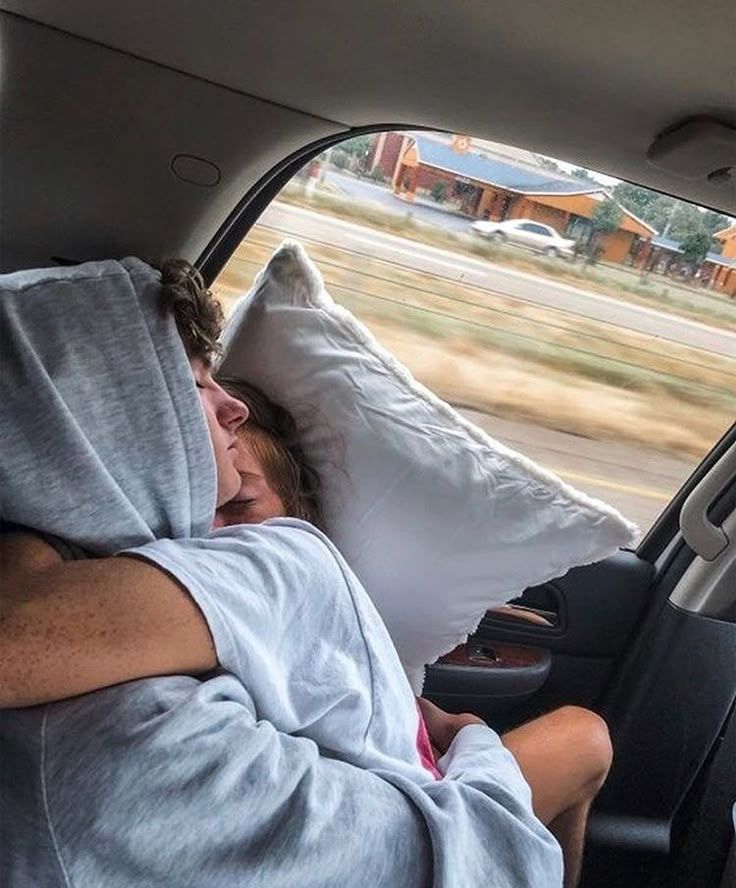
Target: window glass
<point x="612" y="363"/>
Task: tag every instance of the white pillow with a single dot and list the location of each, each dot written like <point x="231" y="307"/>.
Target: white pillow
<point x="439" y="521"/>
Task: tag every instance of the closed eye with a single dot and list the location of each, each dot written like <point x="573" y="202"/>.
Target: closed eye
<point x="237" y="502"/>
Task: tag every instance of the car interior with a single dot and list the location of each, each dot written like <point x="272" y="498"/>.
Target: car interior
<point x="167" y="128"/>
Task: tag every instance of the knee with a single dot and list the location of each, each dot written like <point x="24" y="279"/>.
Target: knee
<point x="589" y="734"/>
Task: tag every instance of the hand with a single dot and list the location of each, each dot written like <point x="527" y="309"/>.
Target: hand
<point x="443" y="726"/>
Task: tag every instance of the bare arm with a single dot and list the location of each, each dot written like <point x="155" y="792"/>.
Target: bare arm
<point x="67" y="628"/>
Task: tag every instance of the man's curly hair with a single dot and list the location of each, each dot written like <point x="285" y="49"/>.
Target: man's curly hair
<point x="198" y="315"/>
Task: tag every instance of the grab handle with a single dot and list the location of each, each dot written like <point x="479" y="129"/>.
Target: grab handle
<point x="705" y="538"/>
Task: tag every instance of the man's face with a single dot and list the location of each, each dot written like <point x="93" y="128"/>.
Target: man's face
<point x="224" y="415"/>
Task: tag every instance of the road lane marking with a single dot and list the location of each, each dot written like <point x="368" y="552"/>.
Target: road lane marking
<point x="649" y="492"/>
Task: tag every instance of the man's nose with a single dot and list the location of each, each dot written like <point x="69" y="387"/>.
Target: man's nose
<point x="232" y="413"/>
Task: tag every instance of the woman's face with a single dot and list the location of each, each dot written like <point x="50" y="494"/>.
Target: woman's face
<point x="255" y="501"/>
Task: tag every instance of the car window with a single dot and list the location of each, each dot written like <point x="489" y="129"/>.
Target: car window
<point x="613" y="365"/>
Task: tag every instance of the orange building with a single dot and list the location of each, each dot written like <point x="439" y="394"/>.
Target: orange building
<point x="724" y="277"/>
<point x="664" y="255"/>
<point x="488" y="187"/>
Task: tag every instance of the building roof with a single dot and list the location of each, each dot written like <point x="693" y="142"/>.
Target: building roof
<point x="496" y="172"/>
<point x="726" y="233"/>
<point x="507" y="152"/>
<point x="513" y="176"/>
<point x="673" y="246"/>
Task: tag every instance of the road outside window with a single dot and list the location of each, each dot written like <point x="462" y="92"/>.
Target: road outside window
<point x="586" y="322"/>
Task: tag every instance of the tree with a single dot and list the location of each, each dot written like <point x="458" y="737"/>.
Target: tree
<point x="606" y="217"/>
<point x="651" y="207"/>
<point x="695" y="247"/>
<point x="636" y="199"/>
<point x="353" y="154"/>
<point x="684" y="220"/>
<point x="339" y="159"/>
<point x="439" y="191"/>
<point x="358" y="146"/>
<point x="580" y="173"/>
<point x="548" y="164"/>
<point x="715" y="221"/>
<point x="670" y="217"/>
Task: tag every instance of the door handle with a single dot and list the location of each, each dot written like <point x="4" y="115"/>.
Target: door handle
<point x="515" y="612"/>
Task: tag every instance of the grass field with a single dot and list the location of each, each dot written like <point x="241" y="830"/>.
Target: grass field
<point x="519" y="360"/>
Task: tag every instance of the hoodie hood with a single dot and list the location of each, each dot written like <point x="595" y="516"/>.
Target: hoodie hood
<point x="103" y="440"/>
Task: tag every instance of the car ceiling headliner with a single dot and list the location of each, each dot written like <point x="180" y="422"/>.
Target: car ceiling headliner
<point x="590" y="82"/>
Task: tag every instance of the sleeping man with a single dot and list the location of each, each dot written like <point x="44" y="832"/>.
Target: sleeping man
<point x="204" y="782"/>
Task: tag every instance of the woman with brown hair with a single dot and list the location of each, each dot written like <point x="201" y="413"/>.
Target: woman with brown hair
<point x="276" y="479"/>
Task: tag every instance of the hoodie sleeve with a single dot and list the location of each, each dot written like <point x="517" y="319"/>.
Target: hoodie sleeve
<point x="283" y="621"/>
<point x="183" y="787"/>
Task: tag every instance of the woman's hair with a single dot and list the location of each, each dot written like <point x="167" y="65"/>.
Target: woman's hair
<point x="272" y="433"/>
<point x="198" y="314"/>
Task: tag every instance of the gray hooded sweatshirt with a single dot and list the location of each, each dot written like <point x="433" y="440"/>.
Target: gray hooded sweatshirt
<point x="179" y="781"/>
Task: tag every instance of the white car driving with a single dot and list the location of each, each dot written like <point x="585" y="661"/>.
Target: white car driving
<point x="527" y="233"/>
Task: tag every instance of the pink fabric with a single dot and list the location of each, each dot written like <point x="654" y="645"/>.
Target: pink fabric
<point x="424" y="748"/>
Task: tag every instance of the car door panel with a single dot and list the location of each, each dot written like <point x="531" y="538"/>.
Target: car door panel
<point x="668" y="717"/>
<point x="525" y="235"/>
<point x="592" y="611"/>
<point x="596" y="608"/>
<point x="671" y="713"/>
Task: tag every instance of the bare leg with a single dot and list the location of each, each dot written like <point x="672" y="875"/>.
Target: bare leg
<point x="565" y="757"/>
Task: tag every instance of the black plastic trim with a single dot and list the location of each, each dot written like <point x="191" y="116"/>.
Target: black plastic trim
<point x="664" y="816"/>
<point x="640" y="834"/>
<point x="666" y="716"/>
<point x="704" y="827"/>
